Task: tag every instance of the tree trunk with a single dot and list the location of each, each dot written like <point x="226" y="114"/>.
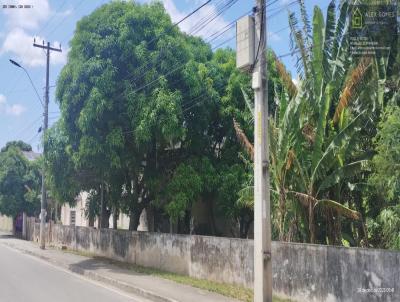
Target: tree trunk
<point x="115" y="220"/>
<point x="134" y="219"/>
<point x="173" y="227"/>
<point x="56" y="220"/>
<point x="106" y="219"/>
<point x="105" y="215"/>
<point x="214" y="231"/>
<point x="311" y="222"/>
<point x="13" y="226"/>
<point x="101" y="207"/>
<point x="282" y="213"/>
<point x="247" y="228"/>
<point x="91" y="221"/>
<point x="333" y="227"/>
<point x="150" y="218"/>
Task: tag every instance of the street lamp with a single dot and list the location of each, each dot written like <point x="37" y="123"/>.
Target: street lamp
<point x="33" y="85"/>
<point x="45" y="123"/>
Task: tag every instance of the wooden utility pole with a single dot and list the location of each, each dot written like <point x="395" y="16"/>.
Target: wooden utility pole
<point x="48" y="48"/>
<point x="262" y="217"/>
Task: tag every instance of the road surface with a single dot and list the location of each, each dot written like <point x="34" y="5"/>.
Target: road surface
<point x="27" y="279"/>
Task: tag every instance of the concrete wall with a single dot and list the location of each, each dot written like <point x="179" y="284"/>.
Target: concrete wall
<point x="6" y="223"/>
<point x="301" y="272"/>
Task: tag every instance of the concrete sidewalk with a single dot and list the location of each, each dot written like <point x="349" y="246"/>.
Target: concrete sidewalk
<point x="150" y="287"/>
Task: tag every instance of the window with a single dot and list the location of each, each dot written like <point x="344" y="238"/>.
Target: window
<point x="72" y="218"/>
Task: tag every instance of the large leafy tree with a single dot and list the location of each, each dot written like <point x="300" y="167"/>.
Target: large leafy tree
<point x="19" y="182"/>
<point x="127" y="118"/>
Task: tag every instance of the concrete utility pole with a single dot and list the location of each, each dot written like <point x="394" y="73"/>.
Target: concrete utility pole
<point x="262" y="217"/>
<point x="43" y="202"/>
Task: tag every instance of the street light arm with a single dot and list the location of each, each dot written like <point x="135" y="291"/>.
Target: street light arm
<point x="37" y="93"/>
<point x="33" y="85"/>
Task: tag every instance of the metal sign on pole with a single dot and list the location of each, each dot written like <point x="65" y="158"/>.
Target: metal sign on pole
<point x="251" y="46"/>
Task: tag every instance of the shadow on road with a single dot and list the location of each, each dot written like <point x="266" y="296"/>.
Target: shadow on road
<point x="99" y="263"/>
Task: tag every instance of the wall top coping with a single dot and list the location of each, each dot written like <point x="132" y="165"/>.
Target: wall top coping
<point x="250" y="241"/>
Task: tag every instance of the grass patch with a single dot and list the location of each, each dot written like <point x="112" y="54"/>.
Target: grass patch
<point x="233" y="291"/>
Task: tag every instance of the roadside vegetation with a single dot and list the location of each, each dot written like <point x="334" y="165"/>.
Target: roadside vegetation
<point x="155" y="119"/>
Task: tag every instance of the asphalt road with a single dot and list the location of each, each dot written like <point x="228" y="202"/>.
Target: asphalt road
<point x="27" y="279"/>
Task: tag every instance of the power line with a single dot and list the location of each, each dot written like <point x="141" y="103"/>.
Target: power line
<point x="66" y="17"/>
<point x="197" y="29"/>
<point x="28" y="127"/>
<point x="147" y="64"/>
<point x="168" y="73"/>
<point x="220" y="9"/>
<point x="192" y="13"/>
<point x="51" y="19"/>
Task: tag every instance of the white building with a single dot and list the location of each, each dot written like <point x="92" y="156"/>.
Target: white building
<point x="76" y="215"/>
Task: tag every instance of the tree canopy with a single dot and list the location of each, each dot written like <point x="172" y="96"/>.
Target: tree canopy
<point x="153" y="118"/>
<point x="19" y="181"/>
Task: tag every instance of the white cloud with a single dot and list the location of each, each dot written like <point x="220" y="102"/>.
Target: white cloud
<point x="26" y="18"/>
<point x="2" y="100"/>
<point x="274" y="37"/>
<point x="20" y="44"/>
<point x="13" y="109"/>
<point x="18" y="40"/>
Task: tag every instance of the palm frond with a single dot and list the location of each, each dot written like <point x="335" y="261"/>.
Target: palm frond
<point x="339" y="208"/>
<point x="328" y="157"/>
<point x="297" y="44"/>
<point x="340" y="174"/>
<point x="303" y="198"/>
<point x="317" y="50"/>
<point x="350" y="89"/>
<point x="340" y="29"/>
<point x="306" y="22"/>
<point x="246" y="197"/>
<point x="244" y="141"/>
<point x="323" y="110"/>
<point x="286" y="78"/>
<point x="328" y="41"/>
<point x="248" y="102"/>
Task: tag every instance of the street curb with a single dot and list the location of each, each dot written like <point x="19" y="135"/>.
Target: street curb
<point x="97" y="277"/>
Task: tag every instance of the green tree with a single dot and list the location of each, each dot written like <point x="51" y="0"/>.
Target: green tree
<point x="18" y="144"/>
<point x="19" y="183"/>
<point x="122" y="107"/>
<point x="386" y="179"/>
<point x="386" y="176"/>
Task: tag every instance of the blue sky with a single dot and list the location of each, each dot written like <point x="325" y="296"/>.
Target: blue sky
<point x="55" y="20"/>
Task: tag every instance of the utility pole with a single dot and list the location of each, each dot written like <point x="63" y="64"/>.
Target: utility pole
<point x="43" y="201"/>
<point x="262" y="215"/>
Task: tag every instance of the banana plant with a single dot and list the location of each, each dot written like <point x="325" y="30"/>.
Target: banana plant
<point x="311" y="150"/>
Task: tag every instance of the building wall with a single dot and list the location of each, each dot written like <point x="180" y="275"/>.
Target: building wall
<point x="81" y="220"/>
<point x="301" y="272"/>
<point x="6" y="223"/>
